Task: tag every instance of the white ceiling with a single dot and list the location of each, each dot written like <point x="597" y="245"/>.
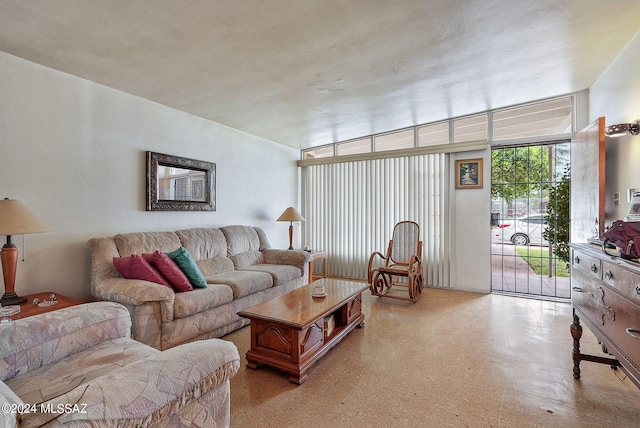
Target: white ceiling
<point x="309" y="72"/>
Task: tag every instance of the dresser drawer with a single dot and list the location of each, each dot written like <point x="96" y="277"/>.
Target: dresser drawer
<point x="590" y="265"/>
<point x="585" y="293"/>
<point x="620" y="322"/>
<point x="613" y="317"/>
<point x="622" y="280"/>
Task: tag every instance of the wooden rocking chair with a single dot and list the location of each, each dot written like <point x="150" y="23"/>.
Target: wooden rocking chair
<point x="402" y="264"/>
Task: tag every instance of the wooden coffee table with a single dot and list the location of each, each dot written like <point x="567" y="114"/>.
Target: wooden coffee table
<point x="289" y="332"/>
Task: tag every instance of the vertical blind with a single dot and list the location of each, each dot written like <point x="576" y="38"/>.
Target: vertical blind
<point x="351" y="207"/>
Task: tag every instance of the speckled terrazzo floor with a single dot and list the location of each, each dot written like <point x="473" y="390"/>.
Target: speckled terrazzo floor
<point x="454" y="359"/>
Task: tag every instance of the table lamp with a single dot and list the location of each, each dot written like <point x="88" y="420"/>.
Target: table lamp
<point x="15" y="219"/>
<point x="290" y="215"/>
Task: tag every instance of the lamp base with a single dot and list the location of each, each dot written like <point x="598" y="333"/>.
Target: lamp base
<point x="291" y="236"/>
<point x="12" y="299"/>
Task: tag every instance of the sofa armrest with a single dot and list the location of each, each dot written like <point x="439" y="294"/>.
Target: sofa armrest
<point x="32" y="342"/>
<point x="147" y="391"/>
<point x="107" y="284"/>
<point x="296" y="258"/>
<point x="132" y="291"/>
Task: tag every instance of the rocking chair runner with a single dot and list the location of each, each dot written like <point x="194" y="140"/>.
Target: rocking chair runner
<point x="402" y="264"/>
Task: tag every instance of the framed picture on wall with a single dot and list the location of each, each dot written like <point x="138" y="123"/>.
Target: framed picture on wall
<point x="469" y="174"/>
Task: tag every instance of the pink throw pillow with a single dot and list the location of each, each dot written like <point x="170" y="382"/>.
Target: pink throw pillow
<point x="170" y="270"/>
<point x="136" y="267"/>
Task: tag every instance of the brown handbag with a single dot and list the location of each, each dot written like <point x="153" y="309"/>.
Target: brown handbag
<point x="625" y="236"/>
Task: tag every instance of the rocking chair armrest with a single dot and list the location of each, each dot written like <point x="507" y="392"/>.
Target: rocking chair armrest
<point x="415" y="264"/>
<point x="373" y="255"/>
<point x="415" y="259"/>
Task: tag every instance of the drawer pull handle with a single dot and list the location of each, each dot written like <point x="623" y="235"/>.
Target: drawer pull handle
<point x="594" y="268"/>
<point x="608" y="275"/>
<point x="578" y="289"/>
<point x="577" y="260"/>
<point x="638" y="290"/>
<point x="633" y="333"/>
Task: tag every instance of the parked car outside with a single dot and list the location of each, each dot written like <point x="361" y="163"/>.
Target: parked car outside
<point x="521" y="231"/>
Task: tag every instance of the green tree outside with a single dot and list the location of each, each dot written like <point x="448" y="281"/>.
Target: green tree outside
<point x="558" y="216"/>
<point x="519" y="172"/>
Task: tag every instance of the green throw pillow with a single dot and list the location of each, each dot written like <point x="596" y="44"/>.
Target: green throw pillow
<point x="185" y="262"/>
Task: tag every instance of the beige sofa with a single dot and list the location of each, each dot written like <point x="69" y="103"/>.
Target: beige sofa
<point x="239" y="265"/>
<point x="78" y="367"/>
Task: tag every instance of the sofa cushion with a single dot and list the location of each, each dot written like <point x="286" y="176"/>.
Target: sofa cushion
<point x="203" y="243"/>
<point x="184" y="260"/>
<point x="136" y="267"/>
<point x="264" y="241"/>
<point x="47" y="382"/>
<point x="214" y="265"/>
<point x="146" y="242"/>
<point x="201" y="299"/>
<point x="169" y="270"/>
<point x="208" y="247"/>
<point x="242" y="282"/>
<point x="240" y="239"/>
<point x="246" y="259"/>
<point x="279" y="273"/>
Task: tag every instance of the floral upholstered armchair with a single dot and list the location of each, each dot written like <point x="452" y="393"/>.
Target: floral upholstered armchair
<point x="78" y="367"/>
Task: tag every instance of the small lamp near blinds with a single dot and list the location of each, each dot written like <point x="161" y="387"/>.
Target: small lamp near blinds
<point x="290" y="215"/>
<point x="15" y="219"/>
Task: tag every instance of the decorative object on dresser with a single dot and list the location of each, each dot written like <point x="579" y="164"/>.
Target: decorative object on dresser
<point x="633" y="198"/>
<point x="290" y="215"/>
<point x="625" y="236"/>
<point x="15" y="219"/>
<point x="605" y="295"/>
<point x="293" y="331"/>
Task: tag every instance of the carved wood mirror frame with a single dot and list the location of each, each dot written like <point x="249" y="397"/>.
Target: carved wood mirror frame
<point x="199" y="176"/>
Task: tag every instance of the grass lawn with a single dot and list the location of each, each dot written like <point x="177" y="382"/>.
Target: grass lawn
<point x="538" y="259"/>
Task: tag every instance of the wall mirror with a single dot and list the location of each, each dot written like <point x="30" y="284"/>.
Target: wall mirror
<point x="179" y="184"/>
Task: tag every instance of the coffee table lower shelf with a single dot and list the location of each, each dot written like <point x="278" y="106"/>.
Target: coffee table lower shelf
<point x="294" y="347"/>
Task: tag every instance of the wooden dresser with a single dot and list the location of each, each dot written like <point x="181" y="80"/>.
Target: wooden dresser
<point x="606" y="297"/>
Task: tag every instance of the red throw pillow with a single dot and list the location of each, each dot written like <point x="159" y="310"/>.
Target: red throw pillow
<point x="170" y="270"/>
<point x="136" y="267"/>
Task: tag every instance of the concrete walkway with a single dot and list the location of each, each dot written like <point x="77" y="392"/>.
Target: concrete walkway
<point x="510" y="273"/>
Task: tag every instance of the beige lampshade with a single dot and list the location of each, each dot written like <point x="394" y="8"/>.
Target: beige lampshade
<point x="16" y="219"/>
<point x="290" y="214"/>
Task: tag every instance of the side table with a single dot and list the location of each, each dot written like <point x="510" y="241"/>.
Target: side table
<point x="28" y="309"/>
<point x="317" y="254"/>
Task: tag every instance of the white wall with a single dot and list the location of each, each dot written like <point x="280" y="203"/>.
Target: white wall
<point x="471" y="243"/>
<point x="73" y="152"/>
<point x="616" y="96"/>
